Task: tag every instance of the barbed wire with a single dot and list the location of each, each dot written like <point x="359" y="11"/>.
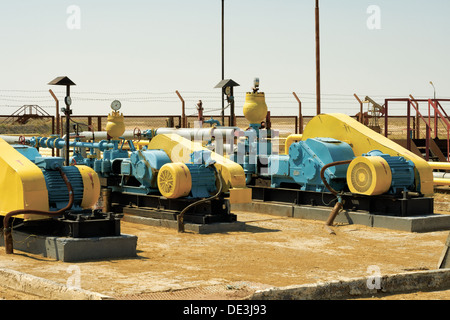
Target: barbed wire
<point x="275" y="100"/>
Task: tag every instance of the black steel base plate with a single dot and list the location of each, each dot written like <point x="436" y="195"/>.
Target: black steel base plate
<point x="389" y="205"/>
<point x="86" y="224"/>
<point x="158" y="207"/>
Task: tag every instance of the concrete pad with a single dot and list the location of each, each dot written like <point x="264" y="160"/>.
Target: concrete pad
<point x="197" y="228"/>
<point x="433" y="280"/>
<point x="75" y="249"/>
<point x="425" y="223"/>
<point x="45" y="288"/>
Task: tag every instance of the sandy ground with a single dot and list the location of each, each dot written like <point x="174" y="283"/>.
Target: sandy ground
<point x="272" y="251"/>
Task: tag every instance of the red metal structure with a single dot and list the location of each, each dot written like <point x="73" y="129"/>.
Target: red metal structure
<point x="438" y="114"/>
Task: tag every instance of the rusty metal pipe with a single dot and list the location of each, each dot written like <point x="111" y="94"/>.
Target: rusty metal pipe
<point x="325" y="167"/>
<point x="180" y="217"/>
<point x="7" y="230"/>
<point x="338" y="206"/>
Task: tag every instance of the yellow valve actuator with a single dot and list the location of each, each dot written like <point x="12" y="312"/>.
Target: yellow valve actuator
<point x="369" y="176"/>
<point x="174" y="180"/>
<point x="115" y="126"/>
<point x="255" y="107"/>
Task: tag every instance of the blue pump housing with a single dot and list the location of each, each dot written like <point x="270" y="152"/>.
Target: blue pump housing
<point x="305" y="160"/>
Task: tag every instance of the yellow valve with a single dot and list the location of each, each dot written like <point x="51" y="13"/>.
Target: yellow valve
<point x="174" y="180"/>
<point x="255" y="107"/>
<point x="115" y="126"/>
<point x="369" y="176"/>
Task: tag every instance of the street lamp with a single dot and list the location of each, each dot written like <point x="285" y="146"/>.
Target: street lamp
<point x="431" y="82"/>
<point x="317" y="23"/>
<point x="223" y="58"/>
<point x="65" y="81"/>
<point x="227" y="89"/>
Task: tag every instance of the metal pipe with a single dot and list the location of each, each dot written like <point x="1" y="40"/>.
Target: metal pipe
<point x="11" y="139"/>
<point x="361" y="111"/>
<point x="103" y="135"/>
<point x="106" y="199"/>
<point x="441" y="175"/>
<point x="439" y="165"/>
<point x="7" y="230"/>
<point x="67" y="112"/>
<point x="336" y="209"/>
<point x="441" y="182"/>
<point x="180" y="217"/>
<point x="325" y="167"/>
<point x="290" y="139"/>
<point x="183" y="112"/>
<point x="300" y="114"/>
<point x="338" y="206"/>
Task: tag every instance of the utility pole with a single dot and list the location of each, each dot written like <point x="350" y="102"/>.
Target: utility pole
<point x="223" y="59"/>
<point x="318" y="111"/>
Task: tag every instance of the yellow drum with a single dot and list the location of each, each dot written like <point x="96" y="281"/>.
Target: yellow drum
<point x="369" y="176"/>
<point x="174" y="180"/>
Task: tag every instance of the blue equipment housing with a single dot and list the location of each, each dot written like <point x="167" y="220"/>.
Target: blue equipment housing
<point x="304" y="162"/>
<point x="202" y="174"/>
<point x="402" y="172"/>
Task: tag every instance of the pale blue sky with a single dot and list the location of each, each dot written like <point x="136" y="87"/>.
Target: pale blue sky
<point x="155" y="47"/>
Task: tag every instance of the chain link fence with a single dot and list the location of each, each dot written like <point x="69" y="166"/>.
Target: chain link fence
<point x="285" y="125"/>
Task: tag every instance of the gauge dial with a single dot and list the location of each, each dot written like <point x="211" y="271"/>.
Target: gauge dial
<point x="115" y="105"/>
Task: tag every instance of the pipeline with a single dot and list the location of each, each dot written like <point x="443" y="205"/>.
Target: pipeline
<point x="180" y="217"/>
<point x="338" y="206"/>
<point x="7" y="230"/>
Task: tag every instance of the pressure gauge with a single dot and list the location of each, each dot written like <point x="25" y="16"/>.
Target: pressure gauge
<point x="228" y="91"/>
<point x="68" y="100"/>
<point x="115" y="105"/>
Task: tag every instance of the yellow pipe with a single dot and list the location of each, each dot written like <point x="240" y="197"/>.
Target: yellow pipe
<point x="441" y="182"/>
<point x="290" y="140"/>
<point x="439" y="165"/>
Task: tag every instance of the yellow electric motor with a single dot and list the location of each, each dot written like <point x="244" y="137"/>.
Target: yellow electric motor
<point x="174" y="180"/>
<point x="369" y="176"/>
<point x="255" y="107"/>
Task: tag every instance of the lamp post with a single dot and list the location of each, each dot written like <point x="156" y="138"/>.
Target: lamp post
<point x="434" y="89"/>
<point x="318" y="111"/>
<point x="227" y="89"/>
<point x="65" y="81"/>
<point x="223" y="58"/>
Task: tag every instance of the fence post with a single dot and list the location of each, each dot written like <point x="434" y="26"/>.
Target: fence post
<point x="361" y="113"/>
<point x="300" y="115"/>
<point x="417" y="116"/>
<point x="183" y="112"/>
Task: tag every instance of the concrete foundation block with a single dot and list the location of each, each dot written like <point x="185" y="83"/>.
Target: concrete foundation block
<point x="192" y="227"/>
<point x="75" y="249"/>
<point x="425" y="223"/>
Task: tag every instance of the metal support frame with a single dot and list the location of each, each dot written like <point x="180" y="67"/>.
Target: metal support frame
<point x="388" y="205"/>
<point x="158" y="207"/>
